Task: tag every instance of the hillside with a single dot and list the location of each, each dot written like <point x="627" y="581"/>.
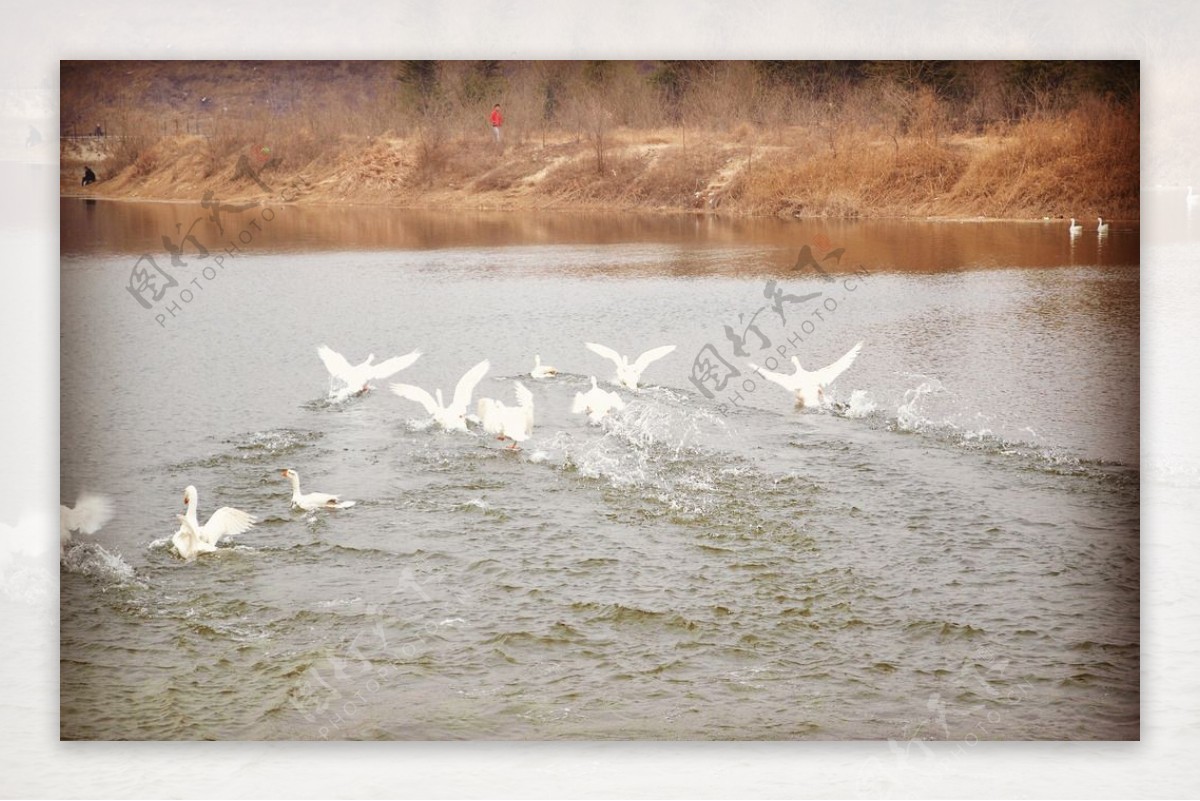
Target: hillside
<point x="331" y="132"/>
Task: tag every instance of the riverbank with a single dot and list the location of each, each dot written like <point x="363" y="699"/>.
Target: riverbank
<point x="1072" y="167"/>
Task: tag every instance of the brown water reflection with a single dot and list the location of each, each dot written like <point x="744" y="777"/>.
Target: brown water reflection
<point x="114" y="227"/>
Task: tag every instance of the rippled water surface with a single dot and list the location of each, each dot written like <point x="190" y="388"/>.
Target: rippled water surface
<point x="947" y="551"/>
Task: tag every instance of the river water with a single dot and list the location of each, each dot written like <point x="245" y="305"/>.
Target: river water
<point x="949" y="550"/>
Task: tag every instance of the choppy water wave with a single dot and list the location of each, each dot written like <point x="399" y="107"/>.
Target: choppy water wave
<point x="959" y="426"/>
<point x="911" y="564"/>
<point x="256" y="447"/>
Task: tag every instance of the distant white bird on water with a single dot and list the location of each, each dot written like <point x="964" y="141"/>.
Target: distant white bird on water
<point x="1101" y="226"/>
<point x="508" y="422"/>
<point x="596" y="403"/>
<point x="193" y="538"/>
<point x="1192" y="198"/>
<point x="356" y="378"/>
<point x="308" y="501"/>
<point x="90" y="514"/>
<point x="542" y="370"/>
<point x="452" y="417"/>
<point x="628" y="374"/>
<point x="809" y="388"/>
<point x="1075" y="228"/>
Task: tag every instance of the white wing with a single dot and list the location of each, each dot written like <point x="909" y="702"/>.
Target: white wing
<point x="525" y="399"/>
<point x="188" y="542"/>
<point x="335" y="363"/>
<point x="789" y="382"/>
<point x="409" y="392"/>
<point x="579" y="404"/>
<point x="607" y="353"/>
<point x="489" y="415"/>
<point x="392" y="366"/>
<point x="466" y="386"/>
<point x="226" y="522"/>
<point x="524" y="396"/>
<point x="826" y="375"/>
<point x="649" y="356"/>
<point x="90" y="513"/>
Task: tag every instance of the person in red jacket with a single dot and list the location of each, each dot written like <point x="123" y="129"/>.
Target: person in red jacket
<point x="497" y="121"/>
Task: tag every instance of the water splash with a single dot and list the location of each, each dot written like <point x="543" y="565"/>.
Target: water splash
<point x="92" y="560"/>
<point x="860" y="404"/>
<point x="909" y="416"/>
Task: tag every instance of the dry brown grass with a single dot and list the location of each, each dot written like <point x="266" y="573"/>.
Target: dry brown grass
<point x="605" y="134"/>
<point x="675" y="176"/>
<point x="1084" y="165"/>
<point x="579" y="181"/>
<point x="515" y="168"/>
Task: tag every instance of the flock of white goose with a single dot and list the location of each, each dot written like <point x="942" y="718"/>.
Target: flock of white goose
<point x="1076" y="228"/>
<point x="513" y="423"/>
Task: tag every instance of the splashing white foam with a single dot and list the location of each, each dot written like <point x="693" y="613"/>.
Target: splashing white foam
<point x="91" y="559"/>
<point x="909" y="416"/>
<point x="860" y="404"/>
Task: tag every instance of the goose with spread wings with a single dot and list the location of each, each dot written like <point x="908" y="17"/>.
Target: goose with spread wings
<point x="91" y="512"/>
<point x="809" y="388"/>
<point x="508" y="422"/>
<point x="193" y="538"/>
<point x="347" y="379"/>
<point x="628" y="374"/>
<point x="452" y="417"/>
<point x="596" y="403"/>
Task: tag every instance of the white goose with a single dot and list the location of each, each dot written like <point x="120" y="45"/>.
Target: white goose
<point x="356" y="378"/>
<point x="596" y="403"/>
<point x="454" y="416"/>
<point x="810" y="387"/>
<point x="542" y="370"/>
<point x="308" y="501"/>
<point x="508" y="422"/>
<point x="90" y="514"/>
<point x="628" y="374"/>
<point x="1075" y="228"/>
<point x="193" y="538"/>
<point x="1101" y="226"/>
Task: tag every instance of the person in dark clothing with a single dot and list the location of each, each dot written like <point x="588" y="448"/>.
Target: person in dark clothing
<point x="89" y="177"/>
